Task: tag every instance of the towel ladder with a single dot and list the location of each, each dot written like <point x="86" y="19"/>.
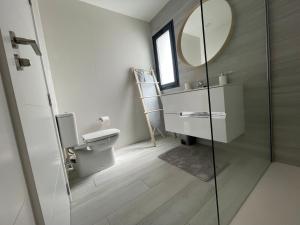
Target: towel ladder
<point x="152" y="129"/>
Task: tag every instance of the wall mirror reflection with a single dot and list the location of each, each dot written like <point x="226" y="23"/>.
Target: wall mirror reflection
<point x="218" y="26"/>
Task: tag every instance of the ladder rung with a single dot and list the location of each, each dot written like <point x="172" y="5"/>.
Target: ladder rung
<point x="147" y="82"/>
<point x="152" y="111"/>
<point x="155" y="96"/>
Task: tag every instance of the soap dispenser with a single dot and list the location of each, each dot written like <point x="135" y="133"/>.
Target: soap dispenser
<point x="223" y="79"/>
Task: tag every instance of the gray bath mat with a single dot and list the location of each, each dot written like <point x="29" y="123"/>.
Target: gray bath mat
<point x="196" y="160"/>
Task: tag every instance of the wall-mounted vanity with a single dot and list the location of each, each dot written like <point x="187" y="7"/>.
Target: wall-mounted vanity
<point x="187" y="112"/>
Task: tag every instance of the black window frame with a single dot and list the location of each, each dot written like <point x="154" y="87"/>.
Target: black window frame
<point x="168" y="27"/>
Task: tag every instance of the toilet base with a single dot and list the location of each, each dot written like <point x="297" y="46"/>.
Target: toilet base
<point x="91" y="162"/>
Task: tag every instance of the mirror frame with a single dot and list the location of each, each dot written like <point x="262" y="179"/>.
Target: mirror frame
<point x="226" y="42"/>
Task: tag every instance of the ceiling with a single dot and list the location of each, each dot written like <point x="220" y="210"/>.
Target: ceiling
<point x="140" y="9"/>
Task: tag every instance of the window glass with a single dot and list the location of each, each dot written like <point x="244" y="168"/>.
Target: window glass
<point x="166" y="57"/>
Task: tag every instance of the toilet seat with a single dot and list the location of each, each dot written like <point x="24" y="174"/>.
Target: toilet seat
<point x="100" y="135"/>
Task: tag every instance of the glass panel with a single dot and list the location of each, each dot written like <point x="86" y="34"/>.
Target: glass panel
<point x="165" y="59"/>
<point x="239" y="98"/>
<point x="186" y="114"/>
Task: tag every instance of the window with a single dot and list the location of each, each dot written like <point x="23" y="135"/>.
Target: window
<point x="165" y="57"/>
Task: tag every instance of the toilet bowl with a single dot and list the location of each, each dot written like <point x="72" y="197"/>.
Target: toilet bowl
<point x="96" y="152"/>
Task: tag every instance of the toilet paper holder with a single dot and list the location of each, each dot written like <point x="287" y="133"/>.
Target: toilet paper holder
<point x="104" y="122"/>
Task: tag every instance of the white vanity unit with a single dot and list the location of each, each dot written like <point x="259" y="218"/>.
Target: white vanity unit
<point x="187" y="112"/>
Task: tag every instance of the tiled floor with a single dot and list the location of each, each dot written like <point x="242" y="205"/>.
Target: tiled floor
<point x="141" y="189"/>
<point x="275" y="200"/>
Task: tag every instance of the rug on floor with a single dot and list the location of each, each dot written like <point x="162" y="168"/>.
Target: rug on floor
<point x="196" y="160"/>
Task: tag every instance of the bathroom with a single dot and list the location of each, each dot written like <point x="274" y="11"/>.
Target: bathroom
<point x="174" y="112"/>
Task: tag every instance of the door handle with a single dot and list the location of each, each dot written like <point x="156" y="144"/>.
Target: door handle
<point x="21" y="62"/>
<point x="15" y="41"/>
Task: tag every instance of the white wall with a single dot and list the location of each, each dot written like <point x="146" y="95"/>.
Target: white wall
<point x="15" y="207"/>
<point x="91" y="51"/>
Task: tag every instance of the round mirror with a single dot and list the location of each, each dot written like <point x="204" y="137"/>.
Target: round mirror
<point x="217" y="23"/>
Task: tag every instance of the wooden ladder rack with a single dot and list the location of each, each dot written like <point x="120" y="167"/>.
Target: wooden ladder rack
<point x="152" y="130"/>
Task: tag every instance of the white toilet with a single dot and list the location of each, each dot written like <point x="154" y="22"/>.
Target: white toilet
<point x="96" y="152"/>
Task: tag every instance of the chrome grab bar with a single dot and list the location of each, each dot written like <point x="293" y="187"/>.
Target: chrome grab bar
<point x="202" y="114"/>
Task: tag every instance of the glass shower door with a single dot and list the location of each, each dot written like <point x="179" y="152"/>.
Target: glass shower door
<point x="237" y="70"/>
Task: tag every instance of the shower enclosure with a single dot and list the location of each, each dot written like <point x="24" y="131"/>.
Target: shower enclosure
<point x="227" y="42"/>
<point x="243" y="64"/>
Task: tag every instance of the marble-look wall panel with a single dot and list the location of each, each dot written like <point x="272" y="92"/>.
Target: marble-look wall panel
<point x="285" y="39"/>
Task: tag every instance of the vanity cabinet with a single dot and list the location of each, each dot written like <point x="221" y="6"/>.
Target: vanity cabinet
<point x="187" y="112"/>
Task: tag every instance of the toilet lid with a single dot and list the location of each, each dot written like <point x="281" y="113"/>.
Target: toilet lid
<point x="99" y="135"/>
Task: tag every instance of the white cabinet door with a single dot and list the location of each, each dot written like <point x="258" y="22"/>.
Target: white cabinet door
<point x="192" y="101"/>
<point x="197" y="127"/>
<point x="28" y="98"/>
